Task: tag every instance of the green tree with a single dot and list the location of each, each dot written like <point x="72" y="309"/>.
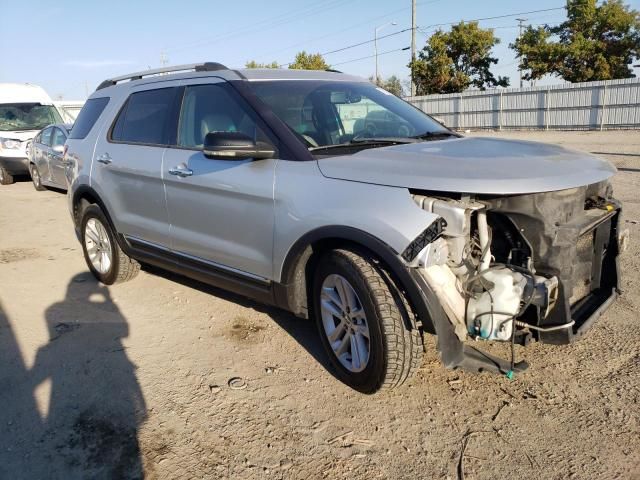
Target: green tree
<point x="453" y="61"/>
<point x="254" y="64"/>
<point x="594" y="43"/>
<point x="309" y="61"/>
<point x="391" y="84"/>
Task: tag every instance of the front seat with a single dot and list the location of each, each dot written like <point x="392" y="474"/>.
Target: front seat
<point x="215" y="122"/>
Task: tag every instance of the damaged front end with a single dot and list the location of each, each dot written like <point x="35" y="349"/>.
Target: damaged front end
<point x="517" y="268"/>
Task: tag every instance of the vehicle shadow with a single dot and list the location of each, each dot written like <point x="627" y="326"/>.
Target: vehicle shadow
<point x="89" y="403"/>
<point x="302" y="331"/>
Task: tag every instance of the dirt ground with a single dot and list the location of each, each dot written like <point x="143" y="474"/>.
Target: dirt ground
<point x="133" y="380"/>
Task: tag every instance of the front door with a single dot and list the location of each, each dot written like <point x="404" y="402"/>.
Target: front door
<point x="56" y="168"/>
<point x="41" y="153"/>
<point x="221" y="211"/>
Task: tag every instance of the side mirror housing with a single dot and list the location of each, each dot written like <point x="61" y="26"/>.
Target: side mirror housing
<point x="235" y="146"/>
<point x="58" y="149"/>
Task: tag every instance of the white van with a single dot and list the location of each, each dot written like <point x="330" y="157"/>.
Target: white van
<point x="25" y="109"/>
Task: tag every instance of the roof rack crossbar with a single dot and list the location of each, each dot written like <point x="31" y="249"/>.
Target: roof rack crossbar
<point x="198" y="67"/>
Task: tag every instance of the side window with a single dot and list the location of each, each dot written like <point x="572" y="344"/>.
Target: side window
<point x="214" y="108"/>
<point x="87" y="117"/>
<point x="144" y="117"/>
<point x="45" y="137"/>
<point x="58" y="138"/>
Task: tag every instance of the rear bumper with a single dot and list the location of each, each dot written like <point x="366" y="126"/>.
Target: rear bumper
<point x="15" y="165"/>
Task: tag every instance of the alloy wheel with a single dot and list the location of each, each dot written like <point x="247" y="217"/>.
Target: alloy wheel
<point x="345" y="323"/>
<point x="98" y="245"/>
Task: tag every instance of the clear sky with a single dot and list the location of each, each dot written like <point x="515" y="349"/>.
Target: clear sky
<point x="69" y="46"/>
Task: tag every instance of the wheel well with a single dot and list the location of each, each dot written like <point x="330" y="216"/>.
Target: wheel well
<point x="80" y="201"/>
<point x="298" y="277"/>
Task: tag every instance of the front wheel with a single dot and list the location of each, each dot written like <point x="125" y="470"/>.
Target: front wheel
<point x="365" y="325"/>
<point x="106" y="260"/>
<point x="5" y="177"/>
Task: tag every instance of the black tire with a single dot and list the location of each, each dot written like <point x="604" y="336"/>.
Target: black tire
<point x="395" y="342"/>
<point x="123" y="268"/>
<point x="35" y="178"/>
<point x="5" y="177"/>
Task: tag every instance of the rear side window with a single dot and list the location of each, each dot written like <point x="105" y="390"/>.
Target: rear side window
<point x="144" y="118"/>
<point x="87" y="117"/>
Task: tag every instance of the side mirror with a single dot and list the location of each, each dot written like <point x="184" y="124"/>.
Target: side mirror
<point x="235" y="146"/>
<point x="58" y="149"/>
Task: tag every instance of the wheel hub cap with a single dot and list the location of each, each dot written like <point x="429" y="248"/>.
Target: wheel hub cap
<point x="98" y="245"/>
<point x="345" y="323"/>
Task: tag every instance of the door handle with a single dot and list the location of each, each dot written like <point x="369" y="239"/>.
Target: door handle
<point x="105" y="158"/>
<point x="181" y="172"/>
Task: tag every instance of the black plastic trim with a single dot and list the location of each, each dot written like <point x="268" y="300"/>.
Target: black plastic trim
<point x="424" y="309"/>
<point x="432" y="232"/>
<point x="201" y="271"/>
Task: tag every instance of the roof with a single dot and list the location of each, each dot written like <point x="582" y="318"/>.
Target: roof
<point x="206" y="70"/>
<point x="258" y="74"/>
<point x="23" y="93"/>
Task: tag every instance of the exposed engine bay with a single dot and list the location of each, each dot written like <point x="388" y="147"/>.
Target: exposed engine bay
<point x="519" y="268"/>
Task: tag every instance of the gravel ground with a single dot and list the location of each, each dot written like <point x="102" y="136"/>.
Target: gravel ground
<point x="133" y="380"/>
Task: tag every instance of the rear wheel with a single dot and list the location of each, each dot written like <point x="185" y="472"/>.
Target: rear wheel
<point x="370" y="335"/>
<point x="106" y="260"/>
<point x="5" y="177"/>
<point x="35" y="178"/>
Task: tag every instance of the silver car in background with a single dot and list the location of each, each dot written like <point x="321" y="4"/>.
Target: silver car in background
<point x="46" y="164"/>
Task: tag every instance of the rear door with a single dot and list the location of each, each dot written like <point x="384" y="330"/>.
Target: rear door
<point x="221" y="211"/>
<point x="128" y="164"/>
<point x="56" y="167"/>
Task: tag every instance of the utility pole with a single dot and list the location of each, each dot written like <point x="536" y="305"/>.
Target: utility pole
<point x="520" y="24"/>
<point x="413" y="44"/>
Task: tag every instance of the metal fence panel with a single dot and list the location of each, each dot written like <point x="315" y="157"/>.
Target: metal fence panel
<point x="610" y="104"/>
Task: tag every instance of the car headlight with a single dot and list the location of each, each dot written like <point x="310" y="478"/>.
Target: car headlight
<point x="10" y="144"/>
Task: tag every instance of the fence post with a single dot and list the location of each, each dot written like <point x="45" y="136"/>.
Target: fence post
<point x="500" y="113"/>
<point x="546" y="109"/>
<point x="603" y="105"/>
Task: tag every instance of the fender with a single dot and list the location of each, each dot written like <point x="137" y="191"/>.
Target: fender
<point x="423" y="301"/>
<point x="85" y="190"/>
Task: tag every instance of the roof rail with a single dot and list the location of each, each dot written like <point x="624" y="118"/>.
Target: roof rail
<point x="198" y="67"/>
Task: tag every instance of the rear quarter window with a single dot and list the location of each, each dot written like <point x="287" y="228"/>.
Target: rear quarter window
<point x="88" y="117"/>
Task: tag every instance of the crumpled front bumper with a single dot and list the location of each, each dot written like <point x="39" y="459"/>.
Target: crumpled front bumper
<point x="15" y="165"/>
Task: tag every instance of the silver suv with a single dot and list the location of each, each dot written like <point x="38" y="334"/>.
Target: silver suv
<point x="331" y="198"/>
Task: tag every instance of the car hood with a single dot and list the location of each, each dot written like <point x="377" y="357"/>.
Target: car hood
<point x="21" y="135"/>
<point x="471" y="165"/>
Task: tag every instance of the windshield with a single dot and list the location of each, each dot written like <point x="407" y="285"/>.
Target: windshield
<point x="327" y="114"/>
<point x="27" y="116"/>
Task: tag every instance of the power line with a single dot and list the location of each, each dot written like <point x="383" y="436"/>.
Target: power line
<point x="348" y="47"/>
<point x="370" y="56"/>
<point x="268" y="23"/>
<point x="495" y="17"/>
<point x="367" y="22"/>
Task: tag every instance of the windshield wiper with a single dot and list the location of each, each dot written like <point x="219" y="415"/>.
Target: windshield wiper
<point x="435" y="135"/>
<point x="366" y="143"/>
<point x="385" y="140"/>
